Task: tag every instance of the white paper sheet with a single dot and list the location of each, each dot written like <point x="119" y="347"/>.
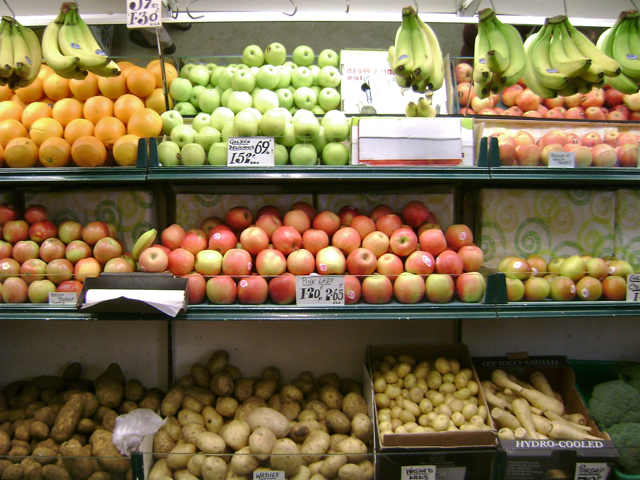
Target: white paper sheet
<point x="167" y="301"/>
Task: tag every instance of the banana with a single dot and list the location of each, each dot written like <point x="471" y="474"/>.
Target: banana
<point x="425" y="109"/>
<point x="391" y="53"/>
<point x="71" y="42"/>
<point x="594" y="74"/>
<point x="481" y="72"/>
<point x="21" y="65"/>
<point x="35" y="55"/>
<point x="411" y="110"/>
<point x="498" y="55"/>
<point x="623" y="83"/>
<point x="51" y="50"/>
<point x="436" y="80"/>
<point x="570" y="89"/>
<point x="89" y="39"/>
<point x="629" y="63"/>
<point x="559" y="58"/>
<point x="634" y="38"/>
<point x="144" y="241"/>
<point x="404" y="53"/>
<point x="481" y="90"/>
<point x="545" y="73"/>
<point x="496" y="85"/>
<point x="76" y="73"/>
<point x="588" y="49"/>
<point x="403" y="82"/>
<point x="422" y="59"/>
<point x="517" y="57"/>
<point x="6" y="50"/>
<point x="581" y="84"/>
<point x="111" y="69"/>
<point x="530" y="79"/>
<point x="419" y="86"/>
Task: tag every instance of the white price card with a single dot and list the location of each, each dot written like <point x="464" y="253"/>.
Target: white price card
<point x="250" y="151"/>
<point x="562" y="160"/>
<point x="144" y="13"/>
<point x="591" y="471"/>
<point x="633" y="287"/>
<point x="277" y="475"/>
<point x="320" y="290"/>
<point x="63" y="298"/>
<point x="419" y="472"/>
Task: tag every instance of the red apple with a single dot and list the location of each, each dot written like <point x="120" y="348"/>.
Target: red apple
<point x="627" y="155"/>
<point x="514" y="111"/>
<point x="388" y="224"/>
<point x="363" y="225"/>
<point x="14" y="290"/>
<point x="33" y="269"/>
<point x="197" y="288"/>
<point x="222" y="241"/>
<point x="86" y="267"/>
<point x="617" y="116"/>
<point x="282" y="289"/>
<point x="527" y="100"/>
<point x="25" y="250"/>
<point x="36" y="213"/>
<point x="449" y="262"/>
<point x="575" y="113"/>
<point x="221" y="290"/>
<point x="327" y="221"/>
<point x="463" y="72"/>
<point x="592" y="139"/>
<point x="286" y="239"/>
<point x="153" y="259"/>
<point x="472" y="258"/>
<point x="236" y="262"/>
<point x="171" y="237"/>
<point x="254" y="240"/>
<point x="403" y="242"/>
<point x="555" y="112"/>
<point x="478" y="104"/>
<point x="346" y="239"/>
<point x="465" y="94"/>
<point x="301" y="262"/>
<point x="70" y="286"/>
<point x="415" y="213"/>
<point x="105" y="249"/>
<point x="470" y="287"/>
<point x="595" y="98"/>
<point x="314" y="240"/>
<point x="297" y="219"/>
<point x="390" y="265"/>
<point x="40" y="231"/>
<point x="612" y="97"/>
<point x="546" y="152"/>
<point x="69" y="230"/>
<point x="271" y="262"/>
<point x="409" y="288"/>
<point x="77" y="250"/>
<point x="269" y="210"/>
<point x="347" y="213"/>
<point x="253" y="290"/>
<point x="594" y="113"/>
<point x="506" y="152"/>
<point x="563" y="289"/>
<point x="330" y="261"/>
<point x="352" y="289"/>
<point x="238" y="218"/>
<point x="574" y="100"/>
<point x="8" y="212"/>
<point x="379" y="210"/>
<point x="614" y="287"/>
<point x="210" y="222"/>
<point x="195" y="242"/>
<point x="457" y="236"/>
<point x="528" y="155"/>
<point x="554" y="102"/>
<point x="377" y="289"/>
<point x="621" y="109"/>
<point x="208" y="262"/>
<point x="181" y="261"/>
<point x="14" y="231"/>
<point x="361" y="261"/>
<point x="117" y="265"/>
<point x="5" y="249"/>
<point x="433" y="241"/>
<point x="588" y="288"/>
<point x="583" y="154"/>
<point x="420" y="262"/>
<point x="604" y="156"/>
<point x="269" y="223"/>
<point x="627" y="138"/>
<point x="94" y="231"/>
<point x="51" y="249"/>
<point x="510" y="94"/>
<point x="611" y="138"/>
<point x="440" y="288"/>
<point x="306" y="208"/>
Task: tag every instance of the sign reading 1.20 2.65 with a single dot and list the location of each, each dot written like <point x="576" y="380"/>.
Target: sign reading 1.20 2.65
<point x="143" y="14"/>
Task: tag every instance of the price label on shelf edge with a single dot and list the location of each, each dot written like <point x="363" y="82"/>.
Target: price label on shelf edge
<point x="418" y="472"/>
<point x="320" y="290"/>
<point x="251" y="152"/>
<point x="144" y="14"/>
<point x="562" y="160"/>
<point x="633" y="287"/>
<point x="63" y="298"/>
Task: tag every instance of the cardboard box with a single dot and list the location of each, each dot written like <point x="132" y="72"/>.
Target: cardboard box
<point x="539" y="459"/>
<point x="453" y="455"/>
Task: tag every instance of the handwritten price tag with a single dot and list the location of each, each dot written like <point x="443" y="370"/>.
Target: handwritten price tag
<point x="250" y="152"/>
<point x="421" y="472"/>
<point x="562" y="160"/>
<point x="144" y="14"/>
<point x="633" y="287"/>
<point x="63" y="298"/>
<point x="319" y="290"/>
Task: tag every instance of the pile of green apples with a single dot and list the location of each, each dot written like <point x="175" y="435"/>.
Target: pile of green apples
<point x="295" y="102"/>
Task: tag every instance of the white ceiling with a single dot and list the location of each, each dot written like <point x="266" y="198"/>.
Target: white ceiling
<point x="581" y="12"/>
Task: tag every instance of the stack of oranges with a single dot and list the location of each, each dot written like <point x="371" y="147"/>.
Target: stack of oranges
<point x="97" y="121"/>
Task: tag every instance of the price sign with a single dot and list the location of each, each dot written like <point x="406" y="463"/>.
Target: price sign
<point x="591" y="471"/>
<point x="420" y="472"/>
<point x="277" y="475"/>
<point x="144" y="14"/>
<point x="250" y="151"/>
<point x="320" y="290"/>
<point x="63" y="298"/>
<point x="562" y="160"/>
<point x="633" y="287"/>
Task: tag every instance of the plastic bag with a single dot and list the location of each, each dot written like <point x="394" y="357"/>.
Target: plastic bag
<point x="132" y="427"/>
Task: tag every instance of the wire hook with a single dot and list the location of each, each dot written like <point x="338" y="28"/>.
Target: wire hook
<point x="634" y="4"/>
<point x="295" y="9"/>
<point x="189" y="13"/>
<point x="13" y="14"/>
<point x="415" y="2"/>
<point x="347" y="10"/>
<point x="172" y="13"/>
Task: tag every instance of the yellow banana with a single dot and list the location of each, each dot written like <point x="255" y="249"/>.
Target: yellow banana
<point x="404" y="53"/>
<point x="71" y="42"/>
<point x="589" y="50"/>
<point x="51" y="50"/>
<point x="111" y="69"/>
<point x="21" y="64"/>
<point x="482" y="90"/>
<point x="594" y="74"/>
<point x="419" y="86"/>
<point x="34" y="58"/>
<point x="544" y="72"/>
<point x="425" y="109"/>
<point x="481" y="71"/>
<point x="559" y="58"/>
<point x="75" y="74"/>
<point x="90" y="41"/>
<point x="620" y="48"/>
<point x="623" y="83"/>
<point x="422" y="59"/>
<point x="530" y="79"/>
<point x="143" y="242"/>
<point x="411" y="110"/>
<point x="498" y="56"/>
<point x="6" y="49"/>
<point x="517" y="62"/>
<point x="436" y="80"/>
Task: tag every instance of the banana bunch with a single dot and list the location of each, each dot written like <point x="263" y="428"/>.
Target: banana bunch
<point x="562" y="61"/>
<point x="498" y="58"/>
<point x="416" y="57"/>
<point x="70" y="49"/>
<point x="423" y="108"/>
<point x="622" y="43"/>
<point x="20" y="54"/>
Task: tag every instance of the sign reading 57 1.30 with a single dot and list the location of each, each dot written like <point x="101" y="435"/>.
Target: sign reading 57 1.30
<point x="143" y="14"/>
<point x="250" y="151"/>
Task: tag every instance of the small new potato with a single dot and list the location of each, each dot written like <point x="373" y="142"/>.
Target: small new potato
<point x="441" y="423"/>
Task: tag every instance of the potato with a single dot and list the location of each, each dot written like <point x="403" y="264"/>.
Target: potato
<point x="291" y="393"/>
<point x="304" y="385"/>
<point x="90" y="404"/>
<point x="109" y="420"/>
<point x="100" y="476"/>
<point x="44" y="455"/>
<point x="190" y="403"/>
<point x="234" y="372"/>
<point x="180" y="455"/>
<point x="362" y="427"/>
<point x="338" y="422"/>
<point x="332" y="464"/>
<point x="160" y="469"/>
<point x="109" y="386"/>
<point x="320" y="408"/>
<point x="236" y="434"/>
<point x="162" y="444"/>
<point x="315" y="445"/>
<point x="273" y="420"/>
<point x="172" y="401"/>
<point x="76" y="460"/>
<point x="221" y="384"/>
<point x="331" y="397"/>
<point x="186" y="381"/>
<point x="133" y="390"/>
<point x="54" y="472"/>
<point x="367" y="469"/>
<point x="307" y="415"/>
<point x="5" y="442"/>
<point x="218" y="361"/>
<point x="67" y="419"/>
<point x="290" y="409"/>
<point x="203" y="395"/>
<point x="108" y="455"/>
<point x="32" y="470"/>
<point x="210" y="443"/>
<point x="48" y="443"/>
<point x="350" y="471"/>
<point x="285" y="457"/>
<point x="188" y="416"/>
<point x="72" y="372"/>
<point x="242" y="462"/>
<point x="173" y="428"/>
<point x="261" y="442"/>
<point x="152" y="399"/>
<point x="243" y="388"/>
<point x="265" y="388"/>
<point x="200" y="374"/>
<point x="213" y="421"/>
<point x="191" y="431"/>
<point x="226" y="406"/>
<point x="303" y="474"/>
<point x="335" y="439"/>
<point x="14" y="472"/>
<point x="183" y="474"/>
<point x="214" y="468"/>
<point x="300" y="430"/>
<point x="4" y="464"/>
<point x="275" y="402"/>
<point x="194" y="465"/>
<point x="46" y="415"/>
<point x="354" y="448"/>
<point x="353" y="403"/>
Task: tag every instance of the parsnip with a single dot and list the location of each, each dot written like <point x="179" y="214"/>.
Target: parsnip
<point x="553" y="416"/>
<point x="562" y="431"/>
<point x="576" y="418"/>
<point x="523" y="414"/>
<point x="504" y="419"/>
<point x="542" y="424"/>
<point x="540" y="383"/>
<point x="506" y="434"/>
<point x="495" y="401"/>
<point x="534" y="397"/>
<point x="521" y="434"/>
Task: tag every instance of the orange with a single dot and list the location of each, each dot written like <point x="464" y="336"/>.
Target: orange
<point x="56" y="87"/>
<point x="44" y="128"/>
<point x="125" y="67"/>
<point x="10" y="129"/>
<point x="21" y="152"/>
<point x="169" y="71"/>
<point x="55" y="152"/>
<point x="32" y="93"/>
<point x="155" y="101"/>
<point x="108" y="130"/>
<point x="80" y="127"/>
<point x="141" y="82"/>
<point x="48" y="101"/>
<point x="45" y="71"/>
<point x="112" y="87"/>
<point x="125" y="150"/>
<point x="5" y="93"/>
<point x="88" y="151"/>
<point x="14" y="98"/>
<point x="97" y="108"/>
<point x="1" y="155"/>
<point x="34" y="111"/>
<point x="9" y="109"/>
<point x="124" y="107"/>
<point x="86" y="88"/>
<point x="145" y="123"/>
<point x="66" y="110"/>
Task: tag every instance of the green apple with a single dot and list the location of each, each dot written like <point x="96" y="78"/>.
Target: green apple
<point x="229" y="130"/>
<point x="288" y="138"/>
<point x="306" y="126"/>
<point x="266" y="100"/>
<point x="293" y="110"/>
<point x="254" y="70"/>
<point x="301" y="77"/>
<point x="253" y="56"/>
<point x="280" y="155"/>
<point x="224" y="98"/>
<point x="275" y="54"/>
<point x="303" y="56"/>
<point x="318" y="110"/>
<point x="336" y="126"/>
<point x="211" y="67"/>
<point x="305" y="98"/>
<point x="335" y="153"/>
<point x="303" y="154"/>
<point x="285" y="98"/>
<point x="291" y="65"/>
<point x="238" y="101"/>
<point x="291" y="88"/>
<point x="255" y="111"/>
<point x="273" y="122"/>
<point x="192" y="154"/>
<point x="268" y="77"/>
<point x="220" y="117"/>
<point x="180" y="89"/>
<point x="213" y="80"/>
<point x="242" y="66"/>
<point x="315" y="71"/>
<point x="329" y="58"/>
<point x="184" y="71"/>
<point x="329" y="98"/>
<point x="170" y="119"/>
<point x="220" y="91"/>
<point x="246" y="124"/>
<point x="209" y="100"/>
<point x="199" y="75"/>
<point x="183" y="134"/>
<point x="286" y="113"/>
<point x="195" y="94"/>
<point x="284" y="76"/>
<point x="329" y="77"/>
<point x="207" y="136"/>
<point x="224" y="79"/>
<point x="169" y="153"/>
<point x="243" y="81"/>
<point x="218" y="154"/>
<point x="200" y="120"/>
<point x="185" y="108"/>
<point x="320" y="141"/>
